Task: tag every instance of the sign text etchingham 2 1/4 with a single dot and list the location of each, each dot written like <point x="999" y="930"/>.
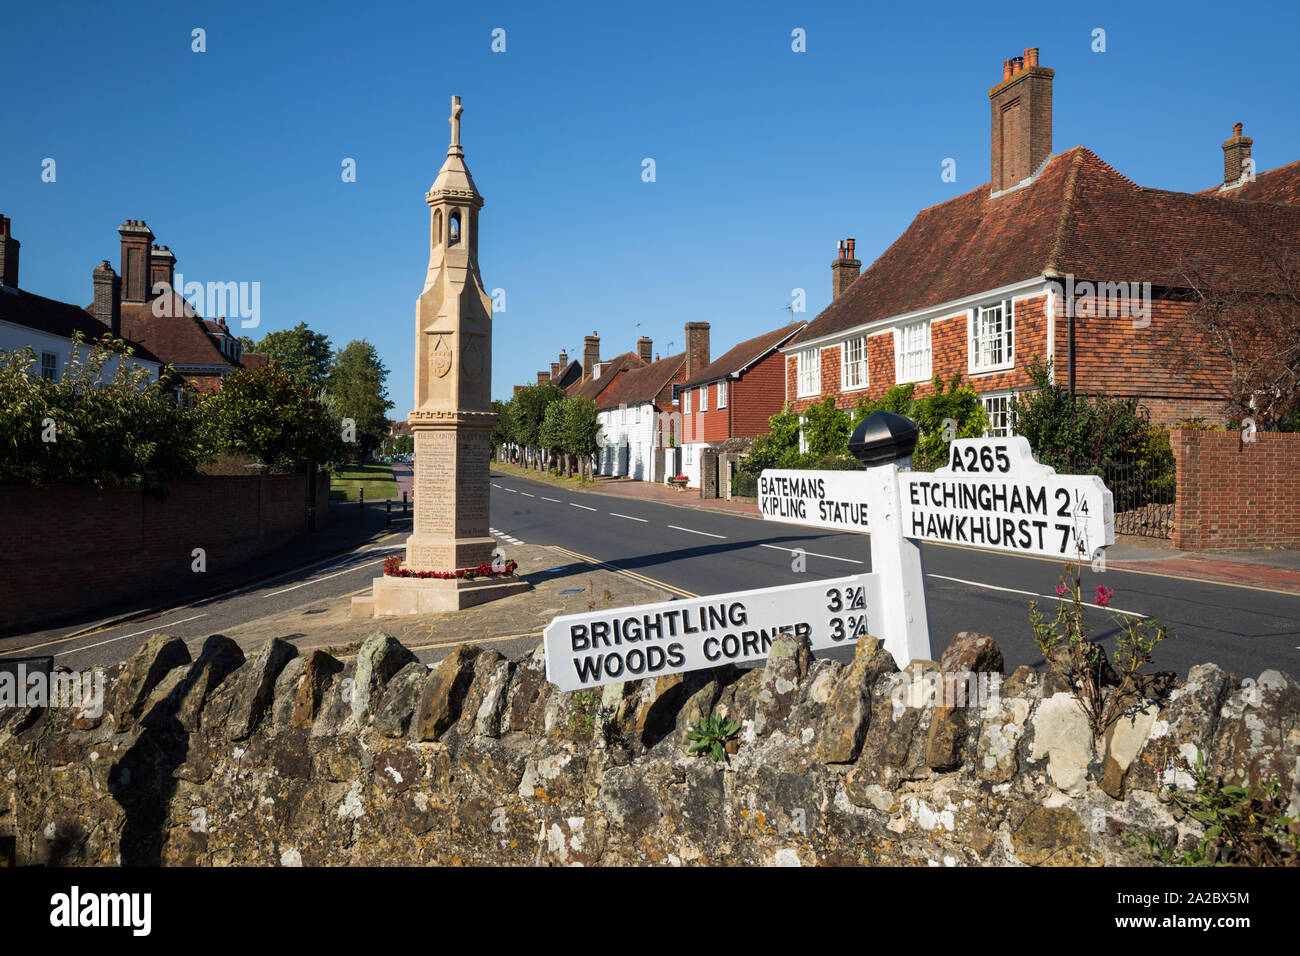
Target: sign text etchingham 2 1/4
<point x="994" y="495"/>
<point x="627" y="643"/>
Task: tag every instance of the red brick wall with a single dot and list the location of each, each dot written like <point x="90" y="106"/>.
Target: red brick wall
<point x="70" y="549"/>
<point x="1234" y="493"/>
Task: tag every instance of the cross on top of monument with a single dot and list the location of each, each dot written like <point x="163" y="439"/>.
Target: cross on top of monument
<point x="456" y="110"/>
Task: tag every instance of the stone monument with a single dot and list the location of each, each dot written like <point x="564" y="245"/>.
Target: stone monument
<point x="453" y="418"/>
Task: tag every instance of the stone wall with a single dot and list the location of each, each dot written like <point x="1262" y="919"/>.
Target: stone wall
<point x="286" y="759"/>
<point x="70" y="549"/>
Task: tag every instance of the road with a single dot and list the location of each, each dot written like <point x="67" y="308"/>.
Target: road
<point x="689" y="551"/>
<point x="1243" y="629"/>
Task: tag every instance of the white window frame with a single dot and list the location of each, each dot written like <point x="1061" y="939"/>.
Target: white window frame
<point x="686" y="401"/>
<point x="991" y="342"/>
<point x="52" y="366"/>
<point x="1008" y="428"/>
<point x="809" y="368"/>
<point x="859" y="365"/>
<point x="704" y="398"/>
<point x="803" y="440"/>
<point x="924" y="367"/>
<point x="722" y="394"/>
<point x="688" y="455"/>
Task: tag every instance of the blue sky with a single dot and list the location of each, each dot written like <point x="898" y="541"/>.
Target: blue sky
<point x="764" y="157"/>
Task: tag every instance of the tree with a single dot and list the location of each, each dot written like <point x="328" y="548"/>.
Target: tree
<point x="264" y="414"/>
<point x="501" y="427"/>
<point x="304" y="354"/>
<point x="826" y="429"/>
<point x="120" y="429"/>
<point x="1075" y="434"/>
<point x="580" y="430"/>
<point x="356" y="382"/>
<point x="1242" y="333"/>
<point x="549" y="434"/>
<point x="529" y="411"/>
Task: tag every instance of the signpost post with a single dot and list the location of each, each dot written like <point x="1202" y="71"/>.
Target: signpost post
<point x="992" y="494"/>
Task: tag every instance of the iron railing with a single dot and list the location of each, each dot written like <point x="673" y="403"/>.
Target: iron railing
<point x="1143" y="491"/>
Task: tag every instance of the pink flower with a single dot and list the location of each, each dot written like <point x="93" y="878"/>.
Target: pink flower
<point x="1060" y="590"/>
<point x="1104" y="595"/>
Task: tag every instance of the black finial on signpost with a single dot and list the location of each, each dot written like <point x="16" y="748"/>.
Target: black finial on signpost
<point x="883" y="437"/>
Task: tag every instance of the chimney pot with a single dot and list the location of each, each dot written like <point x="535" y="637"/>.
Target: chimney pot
<point x="1020" y="121"/>
<point x="9" y="247"/>
<point x="844" y="269"/>
<point x="1237" y="163"/>
<point x="107" y="304"/>
<point x="697" y="347"/>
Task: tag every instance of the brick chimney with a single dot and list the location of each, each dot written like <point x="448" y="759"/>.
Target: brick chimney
<point x="9" y="247"/>
<point x="107" y="307"/>
<point x="1021" y="113"/>
<point x="844" y="269"/>
<point x="564" y="360"/>
<point x="555" y="371"/>
<point x="644" y="348"/>
<point x="590" y="353"/>
<point x="136" y="238"/>
<point x="697" y="348"/>
<point x="1236" y="157"/>
<point x="543" y="378"/>
<point x="162" y="268"/>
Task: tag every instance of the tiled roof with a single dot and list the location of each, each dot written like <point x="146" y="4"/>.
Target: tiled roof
<point x="744" y="354"/>
<point x="59" y="318"/>
<point x="180" y="337"/>
<point x="639" y="386"/>
<point x="591" y="387"/>
<point x="1079" y="217"/>
<point x="254" y="359"/>
<point x="1281" y="185"/>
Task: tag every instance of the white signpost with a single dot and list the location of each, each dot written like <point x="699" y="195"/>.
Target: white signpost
<point x="650" y="640"/>
<point x="992" y="495"/>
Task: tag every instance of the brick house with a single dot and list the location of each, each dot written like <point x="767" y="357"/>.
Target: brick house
<point x="726" y="403"/>
<point x="201" y="351"/>
<point x="1059" y="257"/>
<point x="49" y="326"/>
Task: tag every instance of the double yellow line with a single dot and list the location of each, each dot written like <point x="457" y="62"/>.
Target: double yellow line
<point x="672" y="589"/>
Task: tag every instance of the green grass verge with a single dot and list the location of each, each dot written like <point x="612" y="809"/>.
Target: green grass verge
<point x="377" y="479"/>
<point x="578" y="483"/>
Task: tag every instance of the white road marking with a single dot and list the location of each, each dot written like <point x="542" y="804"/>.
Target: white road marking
<point x="512" y="491"/>
<point x="812" y="554"/>
<point x="527" y="495"/>
<point x="75" y="650"/>
<point x="1049" y="597"/>
<point x="693" y="531"/>
<point x="628" y="517"/>
<point x="556" y="500"/>
<point x="495" y="485"/>
<point x="318" y="580"/>
<point x="583" y="507"/>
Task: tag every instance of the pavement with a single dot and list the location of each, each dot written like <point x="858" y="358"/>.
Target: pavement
<point x="1272" y="568"/>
